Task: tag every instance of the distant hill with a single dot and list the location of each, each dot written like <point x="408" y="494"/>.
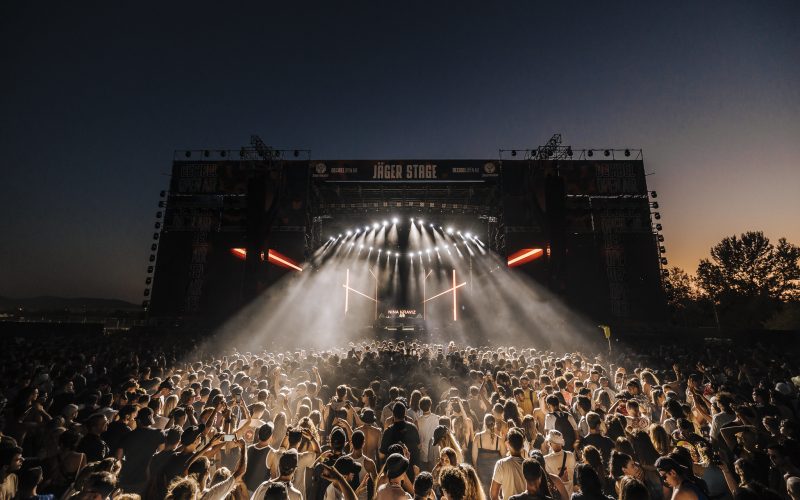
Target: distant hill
<point x="47" y="303"/>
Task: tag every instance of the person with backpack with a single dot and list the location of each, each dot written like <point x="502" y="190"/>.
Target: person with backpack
<point x="559" y="461"/>
<point x="561" y="420"/>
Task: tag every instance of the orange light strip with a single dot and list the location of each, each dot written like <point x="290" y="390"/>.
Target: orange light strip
<point x="362" y="294"/>
<point x="274" y="256"/>
<point x="524" y="256"/>
<point x="446" y="291"/>
<point x="455" y="306"/>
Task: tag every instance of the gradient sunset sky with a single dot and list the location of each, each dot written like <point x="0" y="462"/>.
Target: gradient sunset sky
<point x="97" y="95"/>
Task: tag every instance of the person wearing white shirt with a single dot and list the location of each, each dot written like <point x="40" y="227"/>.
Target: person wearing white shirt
<point x="426" y="424"/>
<point x="559" y="461"/>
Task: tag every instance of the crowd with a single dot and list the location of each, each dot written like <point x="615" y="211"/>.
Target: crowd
<point x="394" y="420"/>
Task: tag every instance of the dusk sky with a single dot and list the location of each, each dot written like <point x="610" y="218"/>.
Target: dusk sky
<point x="97" y="95"/>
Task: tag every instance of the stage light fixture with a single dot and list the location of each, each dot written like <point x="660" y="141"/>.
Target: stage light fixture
<point x="664" y="261"/>
<point x="296" y="153"/>
<point x="654" y="204"/>
<point x="419" y="253"/>
<point x="431" y="224"/>
<point x="349" y="232"/>
<point x="366" y="228"/>
<point x="351" y="243"/>
<point x="412" y="220"/>
<point x="206" y="153"/>
<point x="395" y="220"/>
<point x="446" y="246"/>
<point x="375" y="225"/>
<point x="421" y="221"/>
<point x="607" y="152"/>
<point x="513" y="152"/>
<point x="188" y="154"/>
<point x="427" y="250"/>
<point x="385" y="223"/>
<point x="657" y="215"/>
<point x="627" y="152"/>
<point x="659" y="227"/>
<point x="157" y="225"/>
<point x="449" y="230"/>
<point x="360" y="247"/>
<point x="653" y="194"/>
<point x="370" y="249"/>
<point x="469" y="235"/>
<point x="569" y="152"/>
<point x="340" y="235"/>
<point x="162" y="194"/>
<point x="223" y="153"/>
<point x="662" y="249"/>
<point x="590" y="153"/>
<point x="332" y="238"/>
<point x="661" y="238"/>
<point x="435" y="249"/>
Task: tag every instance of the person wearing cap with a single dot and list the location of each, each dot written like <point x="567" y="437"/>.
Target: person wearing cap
<point x="138" y="446"/>
<point x="559" y="461"/>
<point x="287" y="465"/>
<point x="395" y="470"/>
<point x="507" y="478"/>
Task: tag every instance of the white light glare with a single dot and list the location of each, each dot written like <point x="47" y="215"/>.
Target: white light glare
<point x="385" y="223"/>
<point x="395" y="220"/>
<point x="375" y="225"/>
<point x="449" y="230"/>
<point x="349" y="232"/>
<point x="469" y="235"/>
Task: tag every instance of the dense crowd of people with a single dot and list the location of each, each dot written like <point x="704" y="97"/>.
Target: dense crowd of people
<point x="394" y="420"/>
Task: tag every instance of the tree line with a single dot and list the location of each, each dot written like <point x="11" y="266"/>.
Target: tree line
<point x="748" y="282"/>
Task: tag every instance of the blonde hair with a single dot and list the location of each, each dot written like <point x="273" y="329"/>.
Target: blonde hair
<point x="183" y="488"/>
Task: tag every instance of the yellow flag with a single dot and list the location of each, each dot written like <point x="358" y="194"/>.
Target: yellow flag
<point x="606" y="330"/>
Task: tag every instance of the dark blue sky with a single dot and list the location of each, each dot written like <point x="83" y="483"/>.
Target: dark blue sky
<point x="96" y="96"/>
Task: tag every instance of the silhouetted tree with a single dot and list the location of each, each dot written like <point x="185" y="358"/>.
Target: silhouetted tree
<point x="748" y="277"/>
<point x="687" y="304"/>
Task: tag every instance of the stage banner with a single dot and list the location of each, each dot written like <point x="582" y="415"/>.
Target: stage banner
<point x="405" y="170"/>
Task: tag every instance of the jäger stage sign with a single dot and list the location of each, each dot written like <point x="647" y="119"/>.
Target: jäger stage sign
<point x="406" y="171"/>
